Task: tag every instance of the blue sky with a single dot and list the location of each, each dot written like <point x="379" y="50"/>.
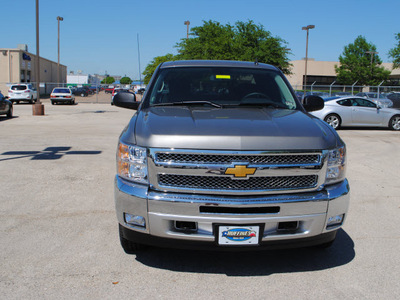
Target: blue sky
<point x="99" y="36"/>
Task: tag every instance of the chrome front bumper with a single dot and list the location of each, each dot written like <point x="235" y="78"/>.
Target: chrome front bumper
<point x="161" y="211"/>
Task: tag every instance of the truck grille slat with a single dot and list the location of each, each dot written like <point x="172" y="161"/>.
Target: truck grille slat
<point x="227" y="183"/>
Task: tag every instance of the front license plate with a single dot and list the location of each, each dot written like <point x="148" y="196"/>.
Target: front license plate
<point x="238" y="235"/>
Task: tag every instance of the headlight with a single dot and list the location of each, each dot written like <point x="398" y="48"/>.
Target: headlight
<point x="132" y="163"/>
<point x="336" y="170"/>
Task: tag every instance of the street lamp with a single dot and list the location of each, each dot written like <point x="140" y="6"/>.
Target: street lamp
<point x="305" y="72"/>
<point x="372" y="54"/>
<point x="58" y="39"/>
<point x="187" y="23"/>
<point x="38" y="107"/>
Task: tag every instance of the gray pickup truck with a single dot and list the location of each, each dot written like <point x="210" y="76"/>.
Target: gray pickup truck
<point x="221" y="155"/>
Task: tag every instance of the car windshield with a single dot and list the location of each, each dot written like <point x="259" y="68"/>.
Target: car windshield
<point x="18" y="87"/>
<point x="222" y="86"/>
<point x="61" y="91"/>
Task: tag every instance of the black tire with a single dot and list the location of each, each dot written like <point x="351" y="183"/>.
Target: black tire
<point x="333" y="120"/>
<point x="17" y="102"/>
<point x="31" y="101"/>
<point x="10" y="113"/>
<point x="394" y="122"/>
<point x="128" y="246"/>
<point x="52" y="103"/>
<point x="73" y="102"/>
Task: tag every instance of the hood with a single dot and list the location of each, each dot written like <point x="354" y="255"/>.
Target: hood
<point x="229" y="129"/>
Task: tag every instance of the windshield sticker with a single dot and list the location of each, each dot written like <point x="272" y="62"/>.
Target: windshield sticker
<point x="223" y="76"/>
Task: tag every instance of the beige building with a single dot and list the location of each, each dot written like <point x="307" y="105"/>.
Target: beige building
<point x="18" y="66"/>
<point x="322" y="72"/>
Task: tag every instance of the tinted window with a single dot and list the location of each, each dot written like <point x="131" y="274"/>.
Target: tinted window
<point x="363" y="103"/>
<point x="61" y="91"/>
<point x="345" y="102"/>
<point x="226" y="86"/>
<point x="18" y="87"/>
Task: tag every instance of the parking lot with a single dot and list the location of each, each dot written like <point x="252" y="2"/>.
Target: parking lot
<point x="59" y="232"/>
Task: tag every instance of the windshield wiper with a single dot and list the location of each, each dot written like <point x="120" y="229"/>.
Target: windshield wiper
<point x="183" y="103"/>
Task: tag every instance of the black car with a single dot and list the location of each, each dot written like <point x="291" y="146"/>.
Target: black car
<point x="81" y="92"/>
<point x="395" y="97"/>
<point x="6" y="107"/>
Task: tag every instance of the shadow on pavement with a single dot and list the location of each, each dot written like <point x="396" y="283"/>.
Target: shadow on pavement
<point x="49" y="153"/>
<point x="251" y="263"/>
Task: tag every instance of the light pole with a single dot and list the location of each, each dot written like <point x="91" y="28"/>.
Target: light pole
<point x="372" y="57"/>
<point x="187" y="23"/>
<point x="58" y="39"/>
<point x="305" y="72"/>
<point x="38" y="107"/>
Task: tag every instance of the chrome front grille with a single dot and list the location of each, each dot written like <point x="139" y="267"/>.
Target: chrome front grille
<point x="227" y="183"/>
<point x="205" y="172"/>
<point x="228" y="159"/>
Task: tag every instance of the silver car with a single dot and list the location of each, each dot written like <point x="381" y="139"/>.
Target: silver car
<point x="358" y="111"/>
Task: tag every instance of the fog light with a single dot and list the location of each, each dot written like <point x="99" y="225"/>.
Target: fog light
<point x="335" y="221"/>
<point x="135" y="220"/>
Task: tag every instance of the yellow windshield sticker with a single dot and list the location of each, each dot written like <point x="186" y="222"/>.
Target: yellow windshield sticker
<point x="223" y="76"/>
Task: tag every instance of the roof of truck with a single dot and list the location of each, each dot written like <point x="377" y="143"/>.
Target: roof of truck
<point x="216" y="63"/>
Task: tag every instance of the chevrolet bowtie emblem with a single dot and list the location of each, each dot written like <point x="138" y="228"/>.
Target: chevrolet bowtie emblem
<point x="240" y="171"/>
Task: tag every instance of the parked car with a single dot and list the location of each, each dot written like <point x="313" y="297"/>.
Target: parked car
<point x="22" y="92"/>
<point x="90" y="91"/>
<point x="395" y="98"/>
<point x="116" y="91"/>
<point x="221" y="154"/>
<point x="342" y="94"/>
<point x="380" y="99"/>
<point x="94" y="89"/>
<point x="80" y="92"/>
<point x="358" y="111"/>
<point x="109" y="89"/>
<point x="141" y="91"/>
<point x="6" y="106"/>
<point x="62" y="95"/>
<point x="323" y="95"/>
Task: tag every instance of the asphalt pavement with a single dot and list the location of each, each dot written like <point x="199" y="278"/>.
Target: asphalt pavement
<point x="59" y="233"/>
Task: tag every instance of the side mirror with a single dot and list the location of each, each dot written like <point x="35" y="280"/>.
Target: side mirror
<point x="312" y="103"/>
<point x="126" y="100"/>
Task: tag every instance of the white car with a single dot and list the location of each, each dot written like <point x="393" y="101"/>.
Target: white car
<point x="357" y="111"/>
<point x="22" y="92"/>
<point x="62" y="95"/>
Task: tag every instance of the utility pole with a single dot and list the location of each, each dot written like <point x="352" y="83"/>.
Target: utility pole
<point x="38" y="107"/>
<point x="187" y="23"/>
<point x="305" y="72"/>
<point x="58" y="40"/>
<point x="140" y="73"/>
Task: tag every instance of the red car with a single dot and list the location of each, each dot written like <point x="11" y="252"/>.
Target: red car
<point x="109" y="90"/>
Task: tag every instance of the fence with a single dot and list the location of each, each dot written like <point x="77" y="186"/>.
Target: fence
<point x="342" y="90"/>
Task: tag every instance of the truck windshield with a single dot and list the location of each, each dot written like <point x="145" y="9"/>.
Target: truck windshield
<point x="222" y="86"/>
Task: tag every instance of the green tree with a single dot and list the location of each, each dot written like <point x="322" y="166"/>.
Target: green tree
<point x="108" y="80"/>
<point x="394" y="53"/>
<point x="357" y="63"/>
<point x="245" y="41"/>
<point x="151" y="67"/>
<point x="125" y="80"/>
